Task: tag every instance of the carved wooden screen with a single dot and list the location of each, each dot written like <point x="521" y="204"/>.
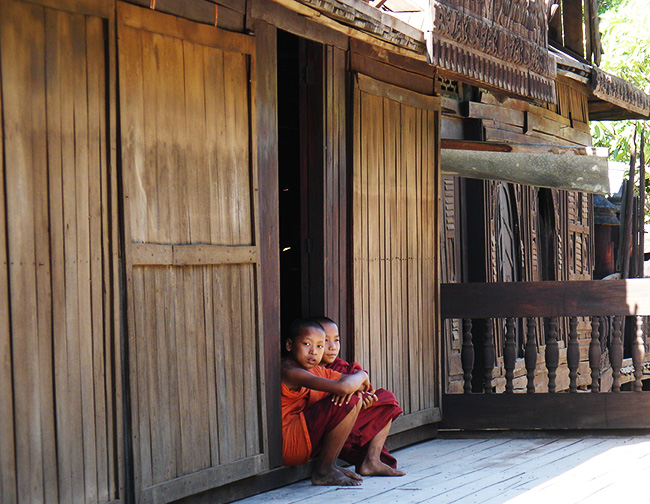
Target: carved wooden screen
<point x="395" y="244"/>
<point x="189" y="178"/>
<point x="579" y="236"/>
<point x="60" y="409"/>
<point x="450" y="260"/>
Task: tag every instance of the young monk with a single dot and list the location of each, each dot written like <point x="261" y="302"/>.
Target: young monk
<point x="365" y="446"/>
<point x="313" y="425"/>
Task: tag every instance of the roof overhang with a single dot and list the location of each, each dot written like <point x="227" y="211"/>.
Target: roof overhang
<point x="613" y="98"/>
<point x="571" y="168"/>
<point x="610" y="98"/>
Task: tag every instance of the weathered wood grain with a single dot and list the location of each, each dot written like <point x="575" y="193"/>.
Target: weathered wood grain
<point x="193" y="253"/>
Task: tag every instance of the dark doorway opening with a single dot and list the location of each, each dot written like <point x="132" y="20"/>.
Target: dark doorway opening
<point x="547" y="246"/>
<point x="300" y="154"/>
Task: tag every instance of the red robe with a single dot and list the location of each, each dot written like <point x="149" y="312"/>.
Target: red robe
<point x="370" y="421"/>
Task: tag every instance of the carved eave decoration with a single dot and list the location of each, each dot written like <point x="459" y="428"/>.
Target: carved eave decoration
<point x="360" y="16"/>
<point x="614" y="98"/>
<point x="500" y="44"/>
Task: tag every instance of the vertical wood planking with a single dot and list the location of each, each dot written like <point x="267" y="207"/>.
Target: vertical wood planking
<point x="20" y="199"/>
<point x="57" y="77"/>
<point x="96" y="200"/>
<point x="394" y="208"/>
<point x="8" y="491"/>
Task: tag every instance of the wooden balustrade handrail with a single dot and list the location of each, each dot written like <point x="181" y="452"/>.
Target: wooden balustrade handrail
<point x="545" y="299"/>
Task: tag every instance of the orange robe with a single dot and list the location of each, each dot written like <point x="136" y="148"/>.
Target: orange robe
<point x="296" y="441"/>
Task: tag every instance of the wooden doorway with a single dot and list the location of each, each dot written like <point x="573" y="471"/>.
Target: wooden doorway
<point x="300" y="153"/>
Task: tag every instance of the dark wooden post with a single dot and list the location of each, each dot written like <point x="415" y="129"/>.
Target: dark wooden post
<point x="594" y="354"/>
<point x="552" y="353"/>
<point x="530" y="355"/>
<point x="510" y="355"/>
<point x="616" y="353"/>
<point x="467" y="355"/>
<point x="625" y="242"/>
<point x="488" y="355"/>
<point x="573" y="354"/>
<point x="638" y="354"/>
<point x="641" y="205"/>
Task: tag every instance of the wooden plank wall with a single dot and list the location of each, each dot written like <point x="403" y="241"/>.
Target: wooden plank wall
<point x="565" y="123"/>
<point x="395" y="215"/>
<point x="190" y="193"/>
<point x="59" y="390"/>
<point x="335" y="186"/>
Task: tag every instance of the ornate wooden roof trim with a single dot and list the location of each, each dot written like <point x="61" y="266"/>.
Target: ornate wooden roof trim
<point x="371" y="20"/>
<point x="619" y="92"/>
<point x="460" y="62"/>
<point x="504" y="48"/>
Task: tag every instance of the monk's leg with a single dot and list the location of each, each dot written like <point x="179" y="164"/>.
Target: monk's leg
<point x="325" y="471"/>
<point x="372" y="464"/>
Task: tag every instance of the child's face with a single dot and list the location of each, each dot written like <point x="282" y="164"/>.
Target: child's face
<point x="332" y="343"/>
<point x="307" y="349"/>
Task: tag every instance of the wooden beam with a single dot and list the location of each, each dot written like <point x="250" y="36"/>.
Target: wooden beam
<point x="545" y="299"/>
<point x="561" y="170"/>
<point x="622" y="410"/>
<point x="186" y="255"/>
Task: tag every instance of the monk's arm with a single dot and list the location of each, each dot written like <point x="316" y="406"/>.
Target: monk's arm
<point x="347" y="384"/>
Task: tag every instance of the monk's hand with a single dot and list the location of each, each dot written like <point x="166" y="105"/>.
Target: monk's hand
<point x="368" y="398"/>
<point x="340" y="400"/>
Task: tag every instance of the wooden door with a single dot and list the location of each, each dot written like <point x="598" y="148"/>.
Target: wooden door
<point x="190" y="200"/>
<point x="395" y="245"/>
<point x="60" y="401"/>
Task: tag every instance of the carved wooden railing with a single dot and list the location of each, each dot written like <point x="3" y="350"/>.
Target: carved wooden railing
<point x="550" y="300"/>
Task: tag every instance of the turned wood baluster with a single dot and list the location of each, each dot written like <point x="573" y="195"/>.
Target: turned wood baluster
<point x="467" y="356"/>
<point x="573" y="354"/>
<point x="616" y="353"/>
<point x="594" y="354"/>
<point x="530" y="355"/>
<point x="552" y="353"/>
<point x="510" y="355"/>
<point x="638" y="354"/>
<point x="488" y="355"/>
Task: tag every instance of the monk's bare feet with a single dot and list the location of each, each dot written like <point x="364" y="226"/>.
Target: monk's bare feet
<point x="350" y="473"/>
<point x="378" y="468"/>
<point x="335" y="477"/>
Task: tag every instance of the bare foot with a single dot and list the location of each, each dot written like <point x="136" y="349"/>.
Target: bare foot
<point x="335" y="477"/>
<point x="350" y="473"/>
<point x="378" y="468"/>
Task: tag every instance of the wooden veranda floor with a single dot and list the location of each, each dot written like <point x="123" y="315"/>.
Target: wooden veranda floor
<point x="549" y="469"/>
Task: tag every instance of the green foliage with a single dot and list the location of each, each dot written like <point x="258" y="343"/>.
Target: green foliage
<point x="607" y="5"/>
<point x="626" y="53"/>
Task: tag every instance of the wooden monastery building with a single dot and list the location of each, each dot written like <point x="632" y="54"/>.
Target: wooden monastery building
<point x="179" y="179"/>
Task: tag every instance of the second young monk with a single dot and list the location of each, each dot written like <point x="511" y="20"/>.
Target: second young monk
<point x="379" y="409"/>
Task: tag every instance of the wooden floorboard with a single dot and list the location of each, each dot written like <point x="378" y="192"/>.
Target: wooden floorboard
<point x="566" y="469"/>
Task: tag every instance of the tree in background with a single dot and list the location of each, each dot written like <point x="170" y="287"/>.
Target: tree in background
<point x="626" y="53"/>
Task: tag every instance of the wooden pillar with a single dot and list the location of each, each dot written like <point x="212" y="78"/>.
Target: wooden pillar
<point x="467" y="355"/>
<point x="594" y="354"/>
<point x="638" y="354"/>
<point x="573" y="32"/>
<point x="488" y="355"/>
<point x="616" y="353"/>
<point x="573" y="355"/>
<point x="510" y="354"/>
<point x="552" y="354"/>
<point x="530" y="355"/>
